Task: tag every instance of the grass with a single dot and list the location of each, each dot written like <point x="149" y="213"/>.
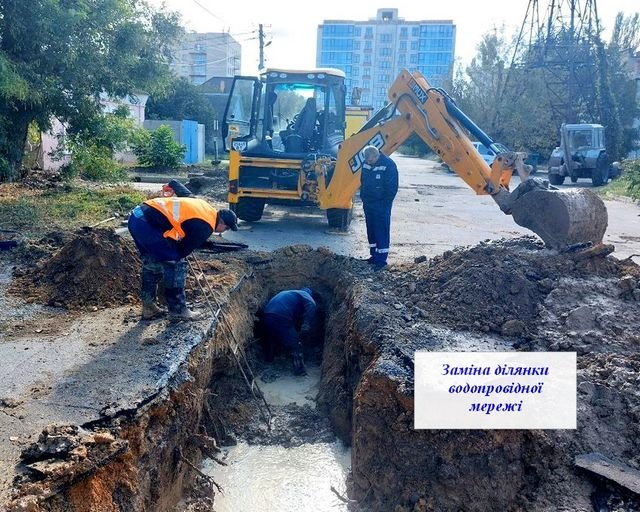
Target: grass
<point x="615" y="188"/>
<point x="34" y="213"/>
<point x="628" y="185"/>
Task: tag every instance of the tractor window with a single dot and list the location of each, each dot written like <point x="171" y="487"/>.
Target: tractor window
<point x="582" y="138"/>
<point x="239" y="120"/>
<point x="335" y="112"/>
<point x="283" y="105"/>
<point x="300" y="117"/>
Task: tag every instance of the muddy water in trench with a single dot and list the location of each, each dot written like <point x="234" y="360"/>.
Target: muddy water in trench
<point x="273" y="478"/>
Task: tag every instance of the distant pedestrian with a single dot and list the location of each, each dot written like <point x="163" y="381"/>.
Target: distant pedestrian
<point x="287" y="314"/>
<point x="166" y="230"/>
<point x="378" y="188"/>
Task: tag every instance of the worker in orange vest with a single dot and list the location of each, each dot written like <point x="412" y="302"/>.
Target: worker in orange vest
<point x="166" y="230"/>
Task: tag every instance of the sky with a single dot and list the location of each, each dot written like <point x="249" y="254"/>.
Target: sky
<point x="292" y="26"/>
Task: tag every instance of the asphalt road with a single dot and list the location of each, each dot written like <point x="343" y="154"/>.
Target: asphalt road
<point x="433" y="212"/>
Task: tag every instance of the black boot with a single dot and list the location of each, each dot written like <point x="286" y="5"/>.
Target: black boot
<point x="177" y="303"/>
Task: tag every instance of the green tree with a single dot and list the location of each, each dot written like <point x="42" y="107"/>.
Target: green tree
<point x="624" y="43"/>
<point x="182" y="100"/>
<point x="92" y="150"/>
<point x="59" y="55"/>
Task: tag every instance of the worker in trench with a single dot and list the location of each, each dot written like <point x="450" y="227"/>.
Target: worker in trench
<point x="286" y="318"/>
<point x="166" y="230"/>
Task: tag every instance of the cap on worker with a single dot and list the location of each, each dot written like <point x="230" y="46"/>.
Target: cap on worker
<point x="229" y="218"/>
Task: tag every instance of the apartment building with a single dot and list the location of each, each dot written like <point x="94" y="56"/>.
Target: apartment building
<point x="201" y="56"/>
<point x="372" y="53"/>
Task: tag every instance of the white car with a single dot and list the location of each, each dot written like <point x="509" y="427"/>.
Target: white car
<point x="487" y="154"/>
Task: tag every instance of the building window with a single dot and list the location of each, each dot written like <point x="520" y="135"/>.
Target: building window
<point x="356" y="45"/>
<point x="368" y="32"/>
<point x="338" y="30"/>
<point x="355" y="71"/>
<point x="357" y="31"/>
<point x="337" y="44"/>
<point x="384" y="64"/>
<point x="381" y="91"/>
<point x="437" y="31"/>
<point x="413" y="59"/>
<point x="366" y="84"/>
<point x="385" y="38"/>
<point x="414" y="45"/>
<point x="387" y="15"/>
<point x="402" y="46"/>
<point x="415" y="31"/>
<point x="404" y="32"/>
<point x="402" y="60"/>
<point x="367" y="46"/>
<point x="385" y="52"/>
<point x="364" y="99"/>
<point x="355" y="58"/>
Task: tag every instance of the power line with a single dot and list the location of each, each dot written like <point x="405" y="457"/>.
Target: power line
<point x="210" y="12"/>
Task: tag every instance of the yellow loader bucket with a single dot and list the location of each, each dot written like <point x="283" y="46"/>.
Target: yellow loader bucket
<point x="562" y="218"/>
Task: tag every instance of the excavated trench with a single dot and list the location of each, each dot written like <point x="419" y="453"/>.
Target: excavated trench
<point x="503" y="296"/>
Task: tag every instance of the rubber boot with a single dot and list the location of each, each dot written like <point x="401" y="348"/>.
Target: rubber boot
<point x="151" y="276"/>
<point x="151" y="310"/>
<point x="298" y="363"/>
<point x="185" y="315"/>
<point x="178" y="310"/>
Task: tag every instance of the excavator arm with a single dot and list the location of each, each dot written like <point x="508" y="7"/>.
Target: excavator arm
<point x="561" y="219"/>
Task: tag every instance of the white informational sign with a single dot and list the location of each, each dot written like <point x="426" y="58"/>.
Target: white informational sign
<point x="495" y="390"/>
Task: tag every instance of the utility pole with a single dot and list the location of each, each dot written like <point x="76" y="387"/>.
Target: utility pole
<point x="261" y="42"/>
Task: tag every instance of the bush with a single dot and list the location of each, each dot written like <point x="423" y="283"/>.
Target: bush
<point x="158" y="149"/>
<point x="94" y="163"/>
<point x="632" y="177"/>
<point x="92" y="150"/>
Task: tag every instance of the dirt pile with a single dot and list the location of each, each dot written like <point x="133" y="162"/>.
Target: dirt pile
<point x="95" y="268"/>
<point x="501" y="286"/>
<point x="498" y="296"/>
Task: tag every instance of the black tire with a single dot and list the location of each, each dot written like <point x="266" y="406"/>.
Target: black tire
<point x="574" y="179"/>
<point x="249" y="208"/>
<point x="600" y="174"/>
<point x="339" y="218"/>
<point x="556" y="179"/>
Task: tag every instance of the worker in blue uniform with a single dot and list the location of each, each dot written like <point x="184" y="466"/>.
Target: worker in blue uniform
<point x="166" y="230"/>
<point x="378" y="188"/>
<point x="285" y="315"/>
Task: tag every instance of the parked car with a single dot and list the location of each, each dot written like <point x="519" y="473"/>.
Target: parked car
<point x="486" y="153"/>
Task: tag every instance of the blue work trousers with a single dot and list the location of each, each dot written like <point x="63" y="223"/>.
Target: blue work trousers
<point x="160" y="261"/>
<point x="280" y="331"/>
<point x="378" y="219"/>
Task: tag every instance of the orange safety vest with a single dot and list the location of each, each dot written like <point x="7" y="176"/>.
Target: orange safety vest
<point x="180" y="209"/>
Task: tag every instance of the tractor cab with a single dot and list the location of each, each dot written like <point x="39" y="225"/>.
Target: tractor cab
<point x="584" y="137"/>
<point x="286" y="114"/>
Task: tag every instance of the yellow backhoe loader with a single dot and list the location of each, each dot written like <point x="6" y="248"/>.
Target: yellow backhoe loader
<point x="288" y="146"/>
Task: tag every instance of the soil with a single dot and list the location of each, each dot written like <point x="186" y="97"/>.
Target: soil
<point x="503" y="295"/>
<point x="95" y="268"/>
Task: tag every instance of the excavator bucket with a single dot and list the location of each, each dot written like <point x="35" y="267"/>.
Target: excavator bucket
<point x="561" y="218"/>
